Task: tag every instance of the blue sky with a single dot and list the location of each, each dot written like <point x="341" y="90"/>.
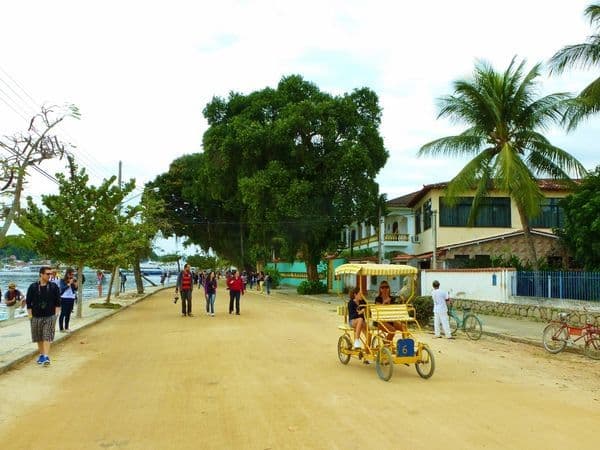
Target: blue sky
<point x="141" y="72"/>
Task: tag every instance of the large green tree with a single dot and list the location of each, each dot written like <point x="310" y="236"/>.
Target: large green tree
<point x="584" y="56"/>
<point x="291" y="164"/>
<point x="505" y="120"/>
<point x="581" y="228"/>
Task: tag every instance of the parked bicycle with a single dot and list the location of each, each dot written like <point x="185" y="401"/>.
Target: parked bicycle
<point x="559" y="333"/>
<point x="469" y="323"/>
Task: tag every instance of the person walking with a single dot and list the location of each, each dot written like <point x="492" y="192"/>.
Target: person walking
<point x="123" y="279"/>
<point x="68" y="296"/>
<point x="440" y="311"/>
<point x="210" y="290"/>
<point x="268" y="283"/>
<point x="185" y="285"/>
<point x="99" y="281"/>
<point x="236" y="288"/>
<point x="13" y="298"/>
<point x="43" y="303"/>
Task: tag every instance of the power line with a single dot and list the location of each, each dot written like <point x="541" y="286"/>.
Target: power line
<point x="89" y="162"/>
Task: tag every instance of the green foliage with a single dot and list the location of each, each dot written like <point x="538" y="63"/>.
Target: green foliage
<point x="357" y="254"/>
<point x="311" y="287"/>
<point x="581" y="229"/>
<point x="202" y="262"/>
<point x="300" y="164"/>
<point x="424" y="306"/>
<point x="18" y="246"/>
<point x="275" y="277"/>
<point x="105" y="305"/>
<point x="584" y="55"/>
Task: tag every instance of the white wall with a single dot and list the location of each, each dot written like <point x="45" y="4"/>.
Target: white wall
<point x="472" y="284"/>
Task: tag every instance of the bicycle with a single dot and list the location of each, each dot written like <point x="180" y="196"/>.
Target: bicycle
<point x="469" y="323"/>
<point x="557" y="335"/>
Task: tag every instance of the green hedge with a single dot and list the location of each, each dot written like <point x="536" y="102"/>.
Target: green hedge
<point x="275" y="277"/>
<point x="311" y="287"/>
<point x="424" y="306"/>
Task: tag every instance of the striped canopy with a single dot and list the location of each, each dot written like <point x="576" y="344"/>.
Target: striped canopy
<point x="375" y="269"/>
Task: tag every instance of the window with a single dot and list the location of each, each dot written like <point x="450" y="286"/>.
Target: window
<point x="418" y="221"/>
<point x="551" y="215"/>
<point x="427" y="215"/>
<point x="493" y="212"/>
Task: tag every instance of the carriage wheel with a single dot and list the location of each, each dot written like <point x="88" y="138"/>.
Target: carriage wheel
<point x="344" y="349"/>
<point x="426" y="364"/>
<point x="384" y="363"/>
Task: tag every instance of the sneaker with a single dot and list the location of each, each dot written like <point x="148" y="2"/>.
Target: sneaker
<point x="237" y="314"/>
<point x="40" y="359"/>
<point x="212" y="314"/>
<point x="357" y="344"/>
<point x="183" y="315"/>
<point x="190" y="315"/>
<point x="46" y="361"/>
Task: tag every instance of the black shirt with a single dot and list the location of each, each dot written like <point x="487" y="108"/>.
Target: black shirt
<point x="353" y="309"/>
<point x="43" y="300"/>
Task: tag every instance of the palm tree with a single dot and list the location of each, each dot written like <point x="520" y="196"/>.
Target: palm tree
<point x="509" y="152"/>
<point x="583" y="56"/>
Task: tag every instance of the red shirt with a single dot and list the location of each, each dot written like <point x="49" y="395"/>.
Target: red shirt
<point x="186" y="281"/>
<point x="236" y="284"/>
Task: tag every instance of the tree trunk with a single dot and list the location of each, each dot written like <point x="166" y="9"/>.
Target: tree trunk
<point x="137" y="274"/>
<point x="16" y="205"/>
<point x="529" y="240"/>
<point x="112" y="282"/>
<point x="79" y="291"/>
<point x="311" y="271"/>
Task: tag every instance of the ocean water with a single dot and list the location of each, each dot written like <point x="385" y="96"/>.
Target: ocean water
<point x="90" y="290"/>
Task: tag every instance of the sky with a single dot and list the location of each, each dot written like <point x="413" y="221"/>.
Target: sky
<point x="142" y="72"/>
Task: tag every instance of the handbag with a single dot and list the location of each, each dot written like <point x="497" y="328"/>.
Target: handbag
<point x="11" y="302"/>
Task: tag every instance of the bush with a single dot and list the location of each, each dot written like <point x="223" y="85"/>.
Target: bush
<point x="424" y="306"/>
<point x="311" y="287"/>
<point x="275" y="277"/>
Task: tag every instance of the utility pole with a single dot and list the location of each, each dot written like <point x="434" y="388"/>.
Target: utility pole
<point x="434" y="234"/>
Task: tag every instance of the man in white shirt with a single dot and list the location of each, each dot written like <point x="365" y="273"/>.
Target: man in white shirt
<point x="440" y="311"/>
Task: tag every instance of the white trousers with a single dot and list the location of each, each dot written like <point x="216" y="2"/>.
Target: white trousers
<point x="441" y="318"/>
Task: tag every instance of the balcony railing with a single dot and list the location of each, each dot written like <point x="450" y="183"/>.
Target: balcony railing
<point x="388" y="237"/>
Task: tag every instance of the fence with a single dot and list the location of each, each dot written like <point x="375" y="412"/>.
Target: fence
<point x="560" y="285"/>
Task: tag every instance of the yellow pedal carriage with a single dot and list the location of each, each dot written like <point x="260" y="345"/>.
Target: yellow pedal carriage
<point x="377" y="346"/>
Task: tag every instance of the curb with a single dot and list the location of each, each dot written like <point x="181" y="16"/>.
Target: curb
<point x="30" y="354"/>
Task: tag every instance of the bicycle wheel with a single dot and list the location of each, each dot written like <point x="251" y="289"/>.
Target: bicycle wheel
<point x="592" y="347"/>
<point x="344" y="349"/>
<point x="426" y="365"/>
<point x="555" y="338"/>
<point x="384" y="363"/>
<point x="454" y="321"/>
<point x="473" y="327"/>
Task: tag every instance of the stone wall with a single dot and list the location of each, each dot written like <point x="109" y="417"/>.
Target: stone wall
<point x="514" y="245"/>
<point x="528" y="308"/>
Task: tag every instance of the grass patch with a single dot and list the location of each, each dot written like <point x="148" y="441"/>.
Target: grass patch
<point x="105" y="305"/>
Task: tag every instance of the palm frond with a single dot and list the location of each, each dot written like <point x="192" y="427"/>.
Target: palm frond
<point x="514" y="177"/>
<point x="470" y="175"/>
<point x="576" y="56"/>
<point x="460" y="145"/>
<point x="546" y="159"/>
<point x="593" y="13"/>
<point x="584" y="105"/>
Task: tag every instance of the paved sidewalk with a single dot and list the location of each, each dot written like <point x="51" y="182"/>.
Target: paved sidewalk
<point x="15" y="335"/>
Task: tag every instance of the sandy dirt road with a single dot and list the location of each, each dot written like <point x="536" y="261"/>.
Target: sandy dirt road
<point x="270" y="378"/>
